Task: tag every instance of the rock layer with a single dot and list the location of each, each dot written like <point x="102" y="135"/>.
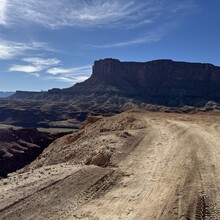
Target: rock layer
<point x="160" y="81"/>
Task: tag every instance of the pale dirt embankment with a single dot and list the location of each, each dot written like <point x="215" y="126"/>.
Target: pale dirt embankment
<point x="151" y="166"/>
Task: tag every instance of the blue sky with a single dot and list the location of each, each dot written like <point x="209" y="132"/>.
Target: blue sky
<point x="53" y="43"/>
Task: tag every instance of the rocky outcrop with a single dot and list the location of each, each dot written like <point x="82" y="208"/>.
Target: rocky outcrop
<point x="159" y="82"/>
<point x="163" y="82"/>
<point x="19" y="147"/>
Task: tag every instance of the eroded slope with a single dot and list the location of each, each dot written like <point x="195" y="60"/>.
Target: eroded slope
<point x="19" y="147"/>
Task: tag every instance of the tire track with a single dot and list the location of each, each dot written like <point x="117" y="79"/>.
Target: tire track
<point x="171" y="176"/>
<point x="168" y="170"/>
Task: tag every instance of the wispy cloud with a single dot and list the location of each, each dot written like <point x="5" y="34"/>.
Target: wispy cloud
<point x="25" y="69"/>
<point x="37" y="65"/>
<point x="95" y="13"/>
<point x="70" y="75"/>
<point x="71" y="80"/>
<point x="147" y="39"/>
<point x="9" y="49"/>
<point x="3" y="7"/>
<point x="44" y="68"/>
<point x="79" y="13"/>
<point x="44" y="63"/>
<point x="75" y="71"/>
<point x="164" y="18"/>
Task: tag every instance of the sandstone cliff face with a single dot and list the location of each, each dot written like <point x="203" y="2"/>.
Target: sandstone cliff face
<point x="160" y="80"/>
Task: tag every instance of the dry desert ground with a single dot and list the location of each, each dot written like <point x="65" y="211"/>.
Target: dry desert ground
<point x="132" y="166"/>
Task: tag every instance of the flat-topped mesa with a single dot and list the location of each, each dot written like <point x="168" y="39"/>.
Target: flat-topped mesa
<point x="156" y="70"/>
<point x="159" y="78"/>
<point x="25" y="94"/>
<point x="159" y="82"/>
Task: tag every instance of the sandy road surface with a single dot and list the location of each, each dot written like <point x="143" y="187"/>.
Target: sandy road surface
<point x="172" y="172"/>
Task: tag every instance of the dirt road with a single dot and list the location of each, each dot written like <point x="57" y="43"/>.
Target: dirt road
<point x="171" y="171"/>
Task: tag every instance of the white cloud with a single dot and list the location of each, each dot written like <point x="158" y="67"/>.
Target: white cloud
<point x="9" y="49"/>
<point x="37" y="65"/>
<point x="3" y="8"/>
<point x="57" y="70"/>
<point x="40" y="66"/>
<point x="150" y="37"/>
<point x="42" y="62"/>
<point x="25" y="69"/>
<point x="70" y="75"/>
<point x="67" y="71"/>
<point x="68" y="79"/>
<point x="93" y="13"/>
<point x="54" y="14"/>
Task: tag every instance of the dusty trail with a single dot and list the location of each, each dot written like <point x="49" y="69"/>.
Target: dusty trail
<point x="171" y="172"/>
